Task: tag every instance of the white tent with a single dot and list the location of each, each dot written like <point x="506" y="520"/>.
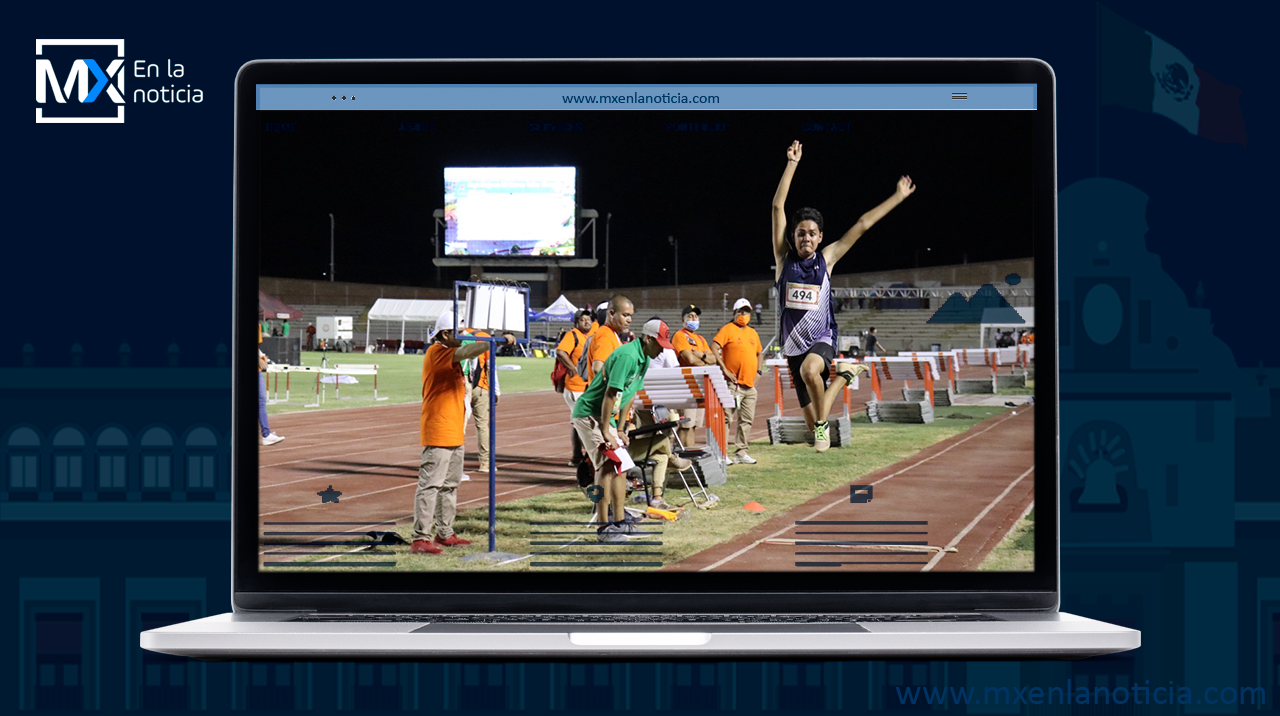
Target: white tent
<point x="404" y="311"/>
<point x="560" y="310"/>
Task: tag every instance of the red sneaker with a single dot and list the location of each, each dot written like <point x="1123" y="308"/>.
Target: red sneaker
<point x="422" y="546"/>
<point x="453" y="541"/>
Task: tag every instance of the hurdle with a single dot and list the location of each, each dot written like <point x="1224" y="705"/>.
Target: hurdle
<point x="988" y="358"/>
<point x="785" y="430"/>
<point x="1011" y="357"/>
<point x="902" y="368"/>
<point x="352" y="369"/>
<point x="942" y="396"/>
<point x="273" y="381"/>
<point x="689" y="387"/>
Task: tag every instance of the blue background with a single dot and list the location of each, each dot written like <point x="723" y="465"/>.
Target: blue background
<point x="122" y="234"/>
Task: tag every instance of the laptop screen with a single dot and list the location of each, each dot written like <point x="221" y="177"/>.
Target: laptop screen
<point x="557" y="330"/>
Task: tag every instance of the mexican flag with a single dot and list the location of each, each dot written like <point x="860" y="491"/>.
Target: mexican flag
<point x="1140" y="71"/>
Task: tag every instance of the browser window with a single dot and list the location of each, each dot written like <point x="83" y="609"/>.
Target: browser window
<point x="846" y="270"/>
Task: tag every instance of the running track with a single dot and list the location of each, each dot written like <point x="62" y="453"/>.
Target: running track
<point x="371" y="455"/>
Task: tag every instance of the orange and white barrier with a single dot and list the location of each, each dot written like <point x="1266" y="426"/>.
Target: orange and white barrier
<point x="902" y="368"/>
<point x="690" y="387"/>
<point x="946" y="359"/>
<point x="782" y="372"/>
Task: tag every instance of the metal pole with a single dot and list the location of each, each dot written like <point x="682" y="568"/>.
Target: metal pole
<point x="607" y="218"/>
<point x="675" y="248"/>
<point x="493" y="445"/>
<point x="331" y="224"/>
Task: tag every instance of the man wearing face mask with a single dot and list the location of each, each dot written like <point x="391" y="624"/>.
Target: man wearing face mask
<point x="737" y="348"/>
<point x="692" y="350"/>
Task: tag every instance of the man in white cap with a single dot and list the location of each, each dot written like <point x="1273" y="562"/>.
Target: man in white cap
<point x="737" y="347"/>
<point x="444" y="393"/>
<point x="595" y="417"/>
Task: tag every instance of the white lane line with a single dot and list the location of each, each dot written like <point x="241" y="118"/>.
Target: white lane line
<point x="844" y="500"/>
<point x="375" y="467"/>
<point x="938" y="557"/>
<point x="318" y="411"/>
<point x="301" y="445"/>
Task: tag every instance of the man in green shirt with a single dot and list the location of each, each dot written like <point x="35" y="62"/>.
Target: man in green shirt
<point x="595" y="418"/>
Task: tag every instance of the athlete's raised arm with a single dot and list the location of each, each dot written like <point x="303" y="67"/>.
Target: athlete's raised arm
<point x="779" y="208"/>
<point x="834" y="252"/>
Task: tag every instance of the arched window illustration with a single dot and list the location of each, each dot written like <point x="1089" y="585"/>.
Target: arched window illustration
<point x="24" y="460"/>
<point x="202" y="460"/>
<point x="68" y="459"/>
<point x="157" y="460"/>
<point x="112" y="449"/>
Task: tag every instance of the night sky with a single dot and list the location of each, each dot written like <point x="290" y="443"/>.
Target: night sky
<point x="710" y="189"/>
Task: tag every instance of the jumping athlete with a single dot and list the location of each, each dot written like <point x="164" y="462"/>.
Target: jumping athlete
<point x="803" y="277"/>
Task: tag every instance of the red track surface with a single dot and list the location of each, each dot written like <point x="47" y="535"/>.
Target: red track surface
<point x="969" y="490"/>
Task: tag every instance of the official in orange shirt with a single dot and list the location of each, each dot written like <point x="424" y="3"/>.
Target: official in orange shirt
<point x="444" y="393"/>
<point x="692" y="350"/>
<point x="738" y="348"/>
<point x="606" y="339"/>
<point x="567" y="354"/>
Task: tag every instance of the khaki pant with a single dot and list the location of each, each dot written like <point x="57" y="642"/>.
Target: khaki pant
<point x="588" y="430"/>
<point x="480" y="416"/>
<point x="697" y="419"/>
<point x="745" y="400"/>
<point x="571" y="397"/>
<point x="435" y="504"/>
<point x="659" y="450"/>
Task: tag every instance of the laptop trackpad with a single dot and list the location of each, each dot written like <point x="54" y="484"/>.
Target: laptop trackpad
<point x="639" y="638"/>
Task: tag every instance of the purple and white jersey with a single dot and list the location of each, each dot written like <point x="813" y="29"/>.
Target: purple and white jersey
<point x="804" y="291"/>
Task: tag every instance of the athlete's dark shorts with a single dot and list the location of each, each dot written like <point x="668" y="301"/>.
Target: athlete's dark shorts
<point x="828" y="354"/>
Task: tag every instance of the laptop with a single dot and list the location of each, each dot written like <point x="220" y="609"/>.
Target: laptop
<point x="450" y="203"/>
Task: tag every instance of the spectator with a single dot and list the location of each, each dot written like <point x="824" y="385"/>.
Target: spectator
<point x="873" y="342"/>
<point x="311" y="336"/>
<point x="737" y="348"/>
<point x="596" y="419"/>
<point x="284" y="328"/>
<point x="444" y="390"/>
<point x="692" y="350"/>
<point x="268" y="437"/>
<point x="568" y="351"/>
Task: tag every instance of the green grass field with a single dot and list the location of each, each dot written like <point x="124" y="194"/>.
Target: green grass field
<point x="786" y="476"/>
<point x="399" y="380"/>
<point x="1016" y="552"/>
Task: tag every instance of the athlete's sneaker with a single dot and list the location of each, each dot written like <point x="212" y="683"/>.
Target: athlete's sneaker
<point x="743" y="458"/>
<point x="452" y="541"/>
<point x="821" y="441"/>
<point x="272" y="439"/>
<point x="611" y="534"/>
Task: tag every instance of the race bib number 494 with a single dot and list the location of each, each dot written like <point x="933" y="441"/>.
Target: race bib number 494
<point x="802" y="296"/>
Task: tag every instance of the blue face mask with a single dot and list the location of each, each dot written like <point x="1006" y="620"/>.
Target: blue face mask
<point x="692" y="325"/>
